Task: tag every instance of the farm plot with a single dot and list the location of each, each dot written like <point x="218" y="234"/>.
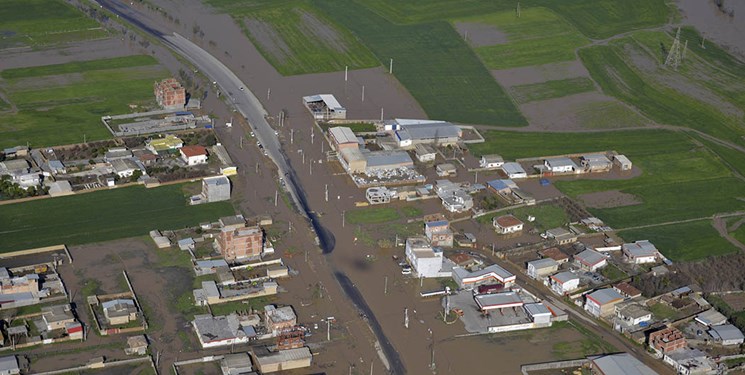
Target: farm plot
<point x="683" y="242"/>
<point x="101" y="216"/>
<point x="38" y="23"/>
<point x="62" y="104"/>
<point x="297" y="39"/>
<point x="538" y="37"/>
<point x="437" y="67"/>
<point x="680" y="180"/>
<point x="631" y="70"/>
<point x="551" y="89"/>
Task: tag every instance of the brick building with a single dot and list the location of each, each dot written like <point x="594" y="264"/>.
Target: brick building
<point x="667" y="340"/>
<point x="170" y="94"/>
<point x="237" y="241"/>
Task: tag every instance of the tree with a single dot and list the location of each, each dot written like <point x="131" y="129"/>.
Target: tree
<point x="135" y="175"/>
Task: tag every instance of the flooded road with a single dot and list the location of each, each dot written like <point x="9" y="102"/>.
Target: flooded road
<point x="725" y="26"/>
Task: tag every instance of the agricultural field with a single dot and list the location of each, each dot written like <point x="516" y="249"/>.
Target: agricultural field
<point x="684" y="242"/>
<point x="608" y="115"/>
<point x="101" y="216"/>
<point x="374" y="215"/>
<point x="297" y="39"/>
<point x="434" y="63"/>
<point x="62" y="104"/>
<point x="39" y="23"/>
<point x="631" y="70"/>
<point x="676" y="183"/>
<point x="547" y="216"/>
<point x="538" y="37"/>
<point x="551" y="89"/>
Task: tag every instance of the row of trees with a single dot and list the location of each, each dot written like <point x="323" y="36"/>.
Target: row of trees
<point x="11" y="190"/>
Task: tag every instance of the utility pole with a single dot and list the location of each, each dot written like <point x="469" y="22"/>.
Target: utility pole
<point x="268" y="92"/>
<point x="476" y="178"/>
<point x="241" y="143"/>
<point x="312" y="134"/>
<point x="385" y="288"/>
<point x="674" y="56"/>
<point x="381" y="113"/>
<point x="346" y="70"/>
<point x="276" y="195"/>
<point x="326" y="190"/>
<point x="363" y="93"/>
<point x="311" y="167"/>
<point x="257" y="168"/>
<point x="492" y="249"/>
<point x="518" y="9"/>
<point x="432" y="362"/>
<point x="292" y="136"/>
<point x="342" y="218"/>
<point x="390" y="67"/>
<point x="406" y="318"/>
<point x="328" y="329"/>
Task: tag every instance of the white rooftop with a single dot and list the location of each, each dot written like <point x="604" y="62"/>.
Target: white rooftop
<point x="327" y="99"/>
<point x="621" y="364"/>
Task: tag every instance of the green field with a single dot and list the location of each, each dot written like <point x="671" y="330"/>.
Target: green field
<point x="60" y="104"/>
<point x="609" y="115"/>
<point x="434" y="63"/>
<point x="739" y="234"/>
<point x="551" y="89"/>
<point x="539" y="36"/>
<point x="38" y="23"/>
<point x="101" y="216"/>
<point x="547" y="216"/>
<point x="630" y="69"/>
<point x="684" y="242"/>
<point x="374" y="215"/>
<point x="297" y="39"/>
<point x="680" y="180"/>
<point x="731" y="157"/>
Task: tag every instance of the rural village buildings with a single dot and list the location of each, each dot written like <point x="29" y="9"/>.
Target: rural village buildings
<point x="563" y="282"/>
<point x="507" y="224"/>
<point x="426" y="260"/>
<point x="640" y="252"/>
<point x="237" y="241"/>
<point x="590" y="260"/>
<point x="170" y="94"/>
<point x="491" y="161"/>
<point x="601" y="303"/>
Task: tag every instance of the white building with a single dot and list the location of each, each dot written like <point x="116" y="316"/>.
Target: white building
<point x="426" y="261"/>
<point x="590" y="260"/>
<point x="538" y="312"/>
<point x="125" y="167"/>
<point x="602" y="302"/>
<point x="507" y="224"/>
<point x="563" y="282"/>
<point x="632" y="314"/>
<point x="489" y="275"/>
<point x="537" y="269"/>
<point x="623" y="162"/>
<point x="596" y="162"/>
<point x="560" y="165"/>
<point x="28" y="180"/>
<point x="495" y="301"/>
<point x="689" y="361"/>
<point x="425" y="153"/>
<point x="193" y="155"/>
<point x="727" y="334"/>
<point x="491" y="161"/>
<point x="514" y="170"/>
<point x="9" y="365"/>
<point x="640" y="252"/>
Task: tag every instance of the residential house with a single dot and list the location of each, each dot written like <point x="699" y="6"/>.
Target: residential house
<point x="563" y="282"/>
<point x="540" y="268"/>
<point x="595" y="163"/>
<point x="561" y="236"/>
<point x="627" y="290"/>
<point x="666" y="340"/>
<point x="640" y="252"/>
<point x="56" y="317"/>
<point x="727" y="334"/>
<point x="438" y="233"/>
<point x="279" y="319"/>
<point x="559" y="165"/>
<point x="60" y="188"/>
<point x="489" y="275"/>
<point x="116" y="153"/>
<point x="282" y="360"/>
<point x="711" y="317"/>
<point x="502" y="187"/>
<point x="119" y="311"/>
<point x="136" y="345"/>
<point x="590" y="260"/>
<point x="631" y="315"/>
<point x="514" y="170"/>
<point x="9" y="365"/>
<point x="464" y="260"/>
<point x="556" y="254"/>
<point x="28" y="180"/>
<point x="426" y="260"/>
<point x="491" y="161"/>
<point x="343" y="137"/>
<point x="166" y="144"/>
<point x="507" y="224"/>
<point x="216" y="189"/>
<point x="18" y="284"/>
<point x="125" y="168"/>
<point x="215" y="331"/>
<point x="689" y="361"/>
<point x="601" y="303"/>
<point x="445" y="170"/>
<point x="193" y="155"/>
<point x="14" y="167"/>
<point x="56" y="167"/>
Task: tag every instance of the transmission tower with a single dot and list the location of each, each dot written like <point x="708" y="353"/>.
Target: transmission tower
<point x="674" y="56"/>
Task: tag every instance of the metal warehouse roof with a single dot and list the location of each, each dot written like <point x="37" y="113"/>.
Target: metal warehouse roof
<point x="544" y="263"/>
<point x="498" y="299"/>
<point x="536" y="309"/>
<point x="640" y="248"/>
<point x="343" y="134"/>
<point x="561" y="162"/>
<point x="431" y="130"/>
<point x="284" y="356"/>
<point x="726" y="332"/>
<point x="621" y="364"/>
<point x="590" y="257"/>
<point x="604" y="296"/>
<point x="327" y="99"/>
<point x="513" y="168"/>
<point x="387" y="158"/>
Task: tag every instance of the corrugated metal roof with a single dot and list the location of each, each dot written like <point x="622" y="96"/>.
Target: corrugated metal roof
<point x="343" y="134"/>
<point x="604" y="296"/>
<point x="621" y="364"/>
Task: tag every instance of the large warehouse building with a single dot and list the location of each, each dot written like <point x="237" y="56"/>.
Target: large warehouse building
<point x="409" y="133"/>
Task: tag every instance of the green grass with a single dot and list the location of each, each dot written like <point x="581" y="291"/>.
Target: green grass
<point x="684" y="242"/>
<point x="297" y="39"/>
<point x="43" y="22"/>
<point x="739" y="234"/>
<point x="411" y="211"/>
<point x="547" y="216"/>
<point x="612" y="273"/>
<point x="59" y="104"/>
<point x="613" y="68"/>
<point x="538" y="37"/>
<point x="591" y="343"/>
<point x="434" y="63"/>
<point x="551" y="89"/>
<point x="662" y="311"/>
<point x="734" y="159"/>
<point x="680" y="180"/>
<point x="101" y="216"/>
<point x="609" y="115"/>
<point x="374" y="215"/>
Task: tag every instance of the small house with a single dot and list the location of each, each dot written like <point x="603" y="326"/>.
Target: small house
<point x="438" y="233"/>
<point x="193" y="155"/>
<point x="640" y="252"/>
<point x="119" y="311"/>
<point x="595" y="163"/>
<point x="711" y="317"/>
<point x="632" y="314"/>
<point x="56" y="317"/>
<point x="559" y="165"/>
<point x="514" y="170"/>
<point x="667" y="340"/>
<point x="279" y="319"/>
<point x="537" y="269"/>
<point x="9" y="365"/>
<point x="136" y="345"/>
<point x="623" y="162"/>
<point x="556" y="254"/>
<point x="561" y="236"/>
<point x="507" y="224"/>
<point x="590" y="260"/>
<point x="425" y="153"/>
<point x="446" y="169"/>
<point x="125" y="168"/>
<point x="491" y="161"/>
<point x="282" y="360"/>
<point x="602" y="302"/>
<point x="236" y="364"/>
<point x="563" y="282"/>
<point x="627" y="290"/>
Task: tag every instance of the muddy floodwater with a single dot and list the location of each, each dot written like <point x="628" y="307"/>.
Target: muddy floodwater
<point x="725" y="25"/>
